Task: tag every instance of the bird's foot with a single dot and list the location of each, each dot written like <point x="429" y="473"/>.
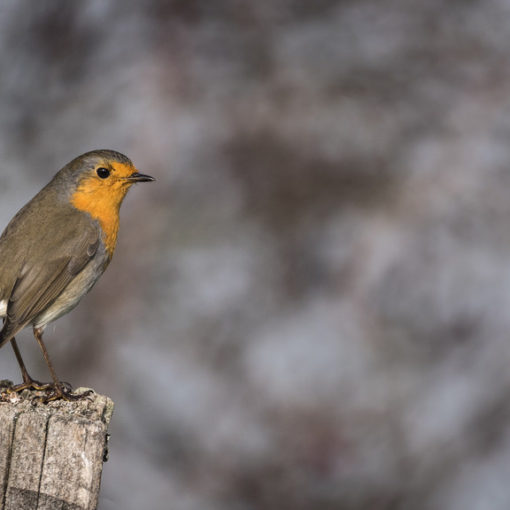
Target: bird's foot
<point x="40" y="392"/>
<point x="63" y="391"/>
<point x="8" y="390"/>
<point x="30" y="384"/>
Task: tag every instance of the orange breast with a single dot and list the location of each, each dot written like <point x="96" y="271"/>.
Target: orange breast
<point x="102" y="206"/>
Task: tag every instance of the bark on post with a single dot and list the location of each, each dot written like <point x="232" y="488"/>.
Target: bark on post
<point x="51" y="455"/>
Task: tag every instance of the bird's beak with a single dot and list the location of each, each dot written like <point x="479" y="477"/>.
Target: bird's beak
<point x="138" y="177"/>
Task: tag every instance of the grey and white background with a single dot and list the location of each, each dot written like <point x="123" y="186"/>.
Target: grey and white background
<point x="310" y="308"/>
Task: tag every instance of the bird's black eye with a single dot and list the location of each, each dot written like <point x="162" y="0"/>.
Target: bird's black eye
<point x="103" y="172"/>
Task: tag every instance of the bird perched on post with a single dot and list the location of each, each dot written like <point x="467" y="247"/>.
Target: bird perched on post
<point x="57" y="246"/>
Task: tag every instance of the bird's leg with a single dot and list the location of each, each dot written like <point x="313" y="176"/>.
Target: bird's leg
<point x="60" y="390"/>
<point x="28" y="381"/>
<point x="26" y="377"/>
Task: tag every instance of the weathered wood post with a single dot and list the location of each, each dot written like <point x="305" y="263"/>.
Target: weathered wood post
<point x="51" y="455"/>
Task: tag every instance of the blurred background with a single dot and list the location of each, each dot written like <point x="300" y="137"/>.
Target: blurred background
<point x="310" y="308"/>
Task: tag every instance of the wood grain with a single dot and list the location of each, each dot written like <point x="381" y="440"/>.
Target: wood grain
<point x="51" y="455"/>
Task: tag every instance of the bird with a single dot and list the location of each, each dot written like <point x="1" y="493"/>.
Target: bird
<point x="56" y="247"/>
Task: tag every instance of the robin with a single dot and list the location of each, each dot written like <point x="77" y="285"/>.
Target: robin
<point x="57" y="246"/>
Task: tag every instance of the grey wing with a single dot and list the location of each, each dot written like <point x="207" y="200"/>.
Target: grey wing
<point x="39" y="284"/>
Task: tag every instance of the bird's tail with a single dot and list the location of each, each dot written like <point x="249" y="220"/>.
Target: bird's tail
<point x="3" y="340"/>
<point x="7" y="333"/>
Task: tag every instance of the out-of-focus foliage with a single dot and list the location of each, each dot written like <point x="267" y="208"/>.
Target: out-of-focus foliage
<point x="310" y="308"/>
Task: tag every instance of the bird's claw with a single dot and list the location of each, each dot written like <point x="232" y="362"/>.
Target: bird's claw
<point x="63" y="391"/>
<point x="42" y="392"/>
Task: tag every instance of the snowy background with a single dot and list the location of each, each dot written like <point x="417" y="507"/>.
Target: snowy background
<point x="310" y="308"/>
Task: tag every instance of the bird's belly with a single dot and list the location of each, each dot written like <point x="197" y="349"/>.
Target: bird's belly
<point x="73" y="293"/>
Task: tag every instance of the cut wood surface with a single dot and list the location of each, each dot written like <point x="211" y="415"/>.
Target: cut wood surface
<point x="51" y="455"/>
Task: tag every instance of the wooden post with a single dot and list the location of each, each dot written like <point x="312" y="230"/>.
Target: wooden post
<point x="51" y="455"/>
